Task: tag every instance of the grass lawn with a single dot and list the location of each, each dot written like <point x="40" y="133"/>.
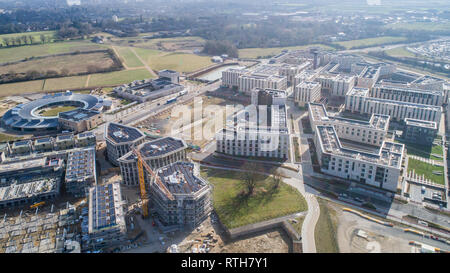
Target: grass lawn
<point x="298" y="226"/>
<point x="253" y="53"/>
<point x="35" y="34"/>
<point x="326" y="230"/>
<point x="370" y="41"/>
<point x="399" y="52"/>
<point x="422" y="168"/>
<point x="22" y="52"/>
<point x="55" y="111"/>
<point x="423" y="151"/>
<point x="118" y="77"/>
<point x="19" y="88"/>
<point x="426" y="26"/>
<point x="129" y="57"/>
<point x="5" y="138"/>
<point x="266" y="203"/>
<point x="65" y="83"/>
<point x="182" y="62"/>
<point x="298" y="158"/>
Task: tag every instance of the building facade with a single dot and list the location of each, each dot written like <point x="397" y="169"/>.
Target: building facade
<point x="306" y="92"/>
<point x="419" y="131"/>
<point x="157" y="153"/>
<point x="119" y="140"/>
<point x="381" y="169"/>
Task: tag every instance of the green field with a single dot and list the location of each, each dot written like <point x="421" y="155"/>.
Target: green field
<point x="35" y="34"/>
<point x="118" y="77"/>
<point x="424" y="151"/>
<point x="266" y="203"/>
<point x="399" y="52"/>
<point x="5" y="138"/>
<point x="55" y="111"/>
<point x="325" y="233"/>
<point x="22" y="52"/>
<point x="129" y="57"/>
<point x="253" y="53"/>
<point x="21" y="88"/>
<point x="422" y="168"/>
<point x="182" y="62"/>
<point x="423" y="26"/>
<point x="63" y="83"/>
<point x="370" y="42"/>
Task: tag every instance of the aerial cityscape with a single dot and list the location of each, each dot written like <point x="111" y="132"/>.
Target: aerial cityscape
<point x="230" y="127"/>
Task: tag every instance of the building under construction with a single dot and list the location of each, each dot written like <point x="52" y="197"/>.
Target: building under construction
<point x="80" y="171"/>
<point x="30" y="181"/>
<point x="156" y="153"/>
<point x="180" y="197"/>
<point x="105" y="225"/>
<point x="119" y="140"/>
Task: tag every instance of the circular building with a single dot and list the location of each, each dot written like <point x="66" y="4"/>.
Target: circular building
<point x="26" y="117"/>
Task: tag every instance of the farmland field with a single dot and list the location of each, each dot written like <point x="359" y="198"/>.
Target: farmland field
<point x="182" y="62"/>
<point x="75" y="64"/>
<point x="118" y="77"/>
<point x="253" y="53"/>
<point x="128" y="57"/>
<point x="370" y="42"/>
<point x="21" y="88"/>
<point x="425" y="26"/>
<point x="65" y="83"/>
<point x="22" y="52"/>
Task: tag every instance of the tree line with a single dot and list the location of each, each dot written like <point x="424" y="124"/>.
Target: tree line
<point x="26" y="40"/>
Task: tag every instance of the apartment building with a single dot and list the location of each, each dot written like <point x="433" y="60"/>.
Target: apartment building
<point x="119" y="140"/>
<point x="290" y="71"/>
<point x="265" y="138"/>
<point x="268" y="97"/>
<point x="306" y="92"/>
<point x="370" y="132"/>
<point x="180" y="197"/>
<point x="336" y="84"/>
<point x="407" y="94"/>
<point x="157" y="153"/>
<point x="420" y="131"/>
<point x="380" y="169"/>
<point x="80" y="171"/>
<point x="106" y="218"/>
<point x="80" y="120"/>
<point x="358" y="100"/>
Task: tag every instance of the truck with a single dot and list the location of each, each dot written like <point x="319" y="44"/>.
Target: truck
<point x="182" y="93"/>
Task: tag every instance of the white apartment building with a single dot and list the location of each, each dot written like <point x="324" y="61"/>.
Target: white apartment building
<point x="358" y="100"/>
<point x="263" y="76"/>
<point x="119" y="140"/>
<point x="336" y="84"/>
<point x="306" y="92"/>
<point x="245" y="138"/>
<point x="370" y="132"/>
<point x="380" y="169"/>
<point x="230" y="77"/>
<point x="305" y="76"/>
<point x="407" y="94"/>
<point x="290" y="71"/>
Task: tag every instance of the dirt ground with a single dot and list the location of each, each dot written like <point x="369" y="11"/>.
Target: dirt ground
<point x="379" y="239"/>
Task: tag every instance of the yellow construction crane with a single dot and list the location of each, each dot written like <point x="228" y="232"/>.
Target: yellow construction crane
<point x="35" y="205"/>
<point x="141" y="165"/>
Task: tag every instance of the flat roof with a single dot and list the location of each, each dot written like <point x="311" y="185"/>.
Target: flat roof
<point x="161" y="146"/>
<point x="119" y="133"/>
<point x="179" y="178"/>
<point x="78" y="114"/>
<point x="390" y="154"/>
<point x="421" y="123"/>
<point x="105" y="207"/>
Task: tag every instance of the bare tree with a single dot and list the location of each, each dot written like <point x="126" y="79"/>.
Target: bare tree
<point x="250" y="176"/>
<point x="277" y="178"/>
